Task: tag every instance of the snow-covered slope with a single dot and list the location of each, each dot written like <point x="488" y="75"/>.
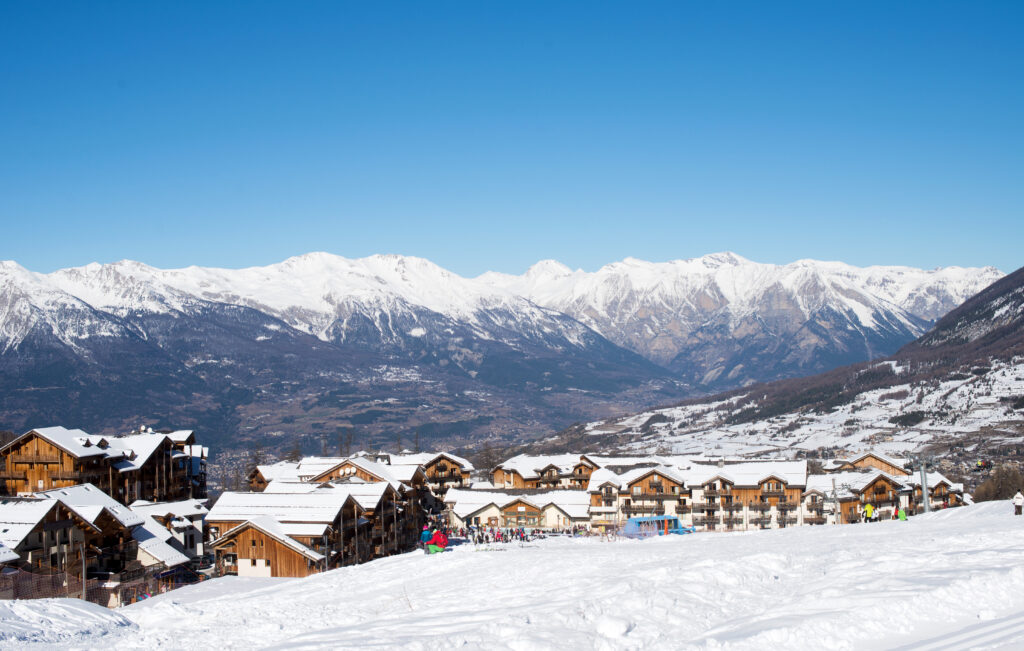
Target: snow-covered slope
<point x="960" y="409"/>
<point x="721" y="320"/>
<point x="951" y="579"/>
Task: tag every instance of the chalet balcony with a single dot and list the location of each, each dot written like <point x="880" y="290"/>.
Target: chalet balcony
<point x="66" y="474"/>
<point x="734" y="520"/>
<point x="759" y="506"/>
<point x="786" y="506"/>
<point x="816" y="507"/>
<point x="732" y="507"/>
<point x="713" y="492"/>
<point x="36" y="458"/>
<point x="787" y="522"/>
<point x="815" y="519"/>
<point x="773" y="493"/>
<point x="762" y="521"/>
<point x="705" y="520"/>
<point x="13" y="474"/>
<point x="654" y="496"/>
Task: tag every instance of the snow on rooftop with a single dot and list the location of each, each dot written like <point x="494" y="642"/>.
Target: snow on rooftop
<point x="18" y="517"/>
<point x="463" y="502"/>
<point x="86" y="498"/>
<point x="153" y="538"/>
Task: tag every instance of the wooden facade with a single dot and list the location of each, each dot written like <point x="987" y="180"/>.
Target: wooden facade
<point x="875" y="462"/>
<point x="443" y="473"/>
<point x="550" y="476"/>
<point x="248" y="550"/>
<point x="33" y="463"/>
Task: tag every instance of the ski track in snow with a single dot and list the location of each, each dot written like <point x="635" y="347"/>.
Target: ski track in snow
<point x="953" y="579"/>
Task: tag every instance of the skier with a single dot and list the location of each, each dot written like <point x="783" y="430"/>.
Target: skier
<point x="903" y="514"/>
<point x="1018" y="503"/>
<point x="425" y="537"/>
<point x="869" y="511"/>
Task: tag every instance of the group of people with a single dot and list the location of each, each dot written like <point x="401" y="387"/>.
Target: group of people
<point x="871" y="513"/>
<point x="433" y="539"/>
<point x="484" y="535"/>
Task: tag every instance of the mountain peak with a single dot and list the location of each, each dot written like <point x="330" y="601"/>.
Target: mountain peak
<point x="548" y="269"/>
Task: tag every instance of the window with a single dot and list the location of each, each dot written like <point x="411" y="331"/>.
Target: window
<point x="252" y="542"/>
<point x="252" y="562"/>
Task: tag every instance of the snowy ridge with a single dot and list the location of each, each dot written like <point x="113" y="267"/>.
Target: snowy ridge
<point x="653" y="308"/>
<point x="639" y="305"/>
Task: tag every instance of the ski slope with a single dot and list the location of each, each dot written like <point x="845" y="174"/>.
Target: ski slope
<point x="948" y="580"/>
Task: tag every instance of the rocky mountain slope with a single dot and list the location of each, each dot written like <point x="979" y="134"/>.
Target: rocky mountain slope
<point x="397" y="346"/>
<point x="721" y="321"/>
<point x="958" y="390"/>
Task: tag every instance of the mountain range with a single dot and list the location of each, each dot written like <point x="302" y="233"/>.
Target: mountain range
<point x="956" y="392"/>
<point x="398" y="346"/>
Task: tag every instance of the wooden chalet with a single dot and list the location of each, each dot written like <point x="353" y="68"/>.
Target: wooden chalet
<point x="514" y="508"/>
<point x="261" y="546"/>
<point x="750" y="495"/>
<point x="443" y="470"/>
<point x="141" y="466"/>
<point x="870" y="461"/>
<point x="567" y="471"/>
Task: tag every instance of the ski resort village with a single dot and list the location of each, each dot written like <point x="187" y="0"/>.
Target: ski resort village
<point x="111" y="539"/>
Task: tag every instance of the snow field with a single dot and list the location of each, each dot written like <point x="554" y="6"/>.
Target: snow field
<point x="952" y="575"/>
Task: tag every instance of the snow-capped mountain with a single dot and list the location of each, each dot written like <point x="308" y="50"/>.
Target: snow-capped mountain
<point x="958" y="391"/>
<point x="324" y="340"/>
<point x="721" y="320"/>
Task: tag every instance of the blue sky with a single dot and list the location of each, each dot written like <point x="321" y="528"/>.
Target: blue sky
<point x="486" y="135"/>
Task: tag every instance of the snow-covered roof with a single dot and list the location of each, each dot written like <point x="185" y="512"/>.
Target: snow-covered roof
<point x="892" y="461"/>
<point x="8" y="555"/>
<point x="934" y="479"/>
<point x="181" y="509"/>
<point x="848" y="484"/>
<point x="530" y="466"/>
<point x="138" y="448"/>
<point x="426" y="458"/>
<point x="309" y="467"/>
<point x="153" y="538"/>
<point x="282" y="470"/>
<point x="315" y="506"/>
<point x="19" y="516"/>
<point x="465" y="502"/>
<point x="752" y="473"/>
<point x="73" y="441"/>
<point x="382" y="471"/>
<point x="274" y="529"/>
<point x="89" y="501"/>
<point x="181" y="435"/>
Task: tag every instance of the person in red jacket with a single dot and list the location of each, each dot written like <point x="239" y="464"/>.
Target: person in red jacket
<point x="437" y="542"/>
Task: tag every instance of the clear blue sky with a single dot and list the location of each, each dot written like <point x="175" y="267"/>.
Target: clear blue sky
<point x="487" y="135"/>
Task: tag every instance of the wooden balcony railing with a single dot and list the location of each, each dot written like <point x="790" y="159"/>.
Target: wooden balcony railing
<point x="66" y="474"/>
<point x="773" y="493"/>
<point x="13" y="474"/>
<point x="36" y="458"/>
<point x="759" y="506"/>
